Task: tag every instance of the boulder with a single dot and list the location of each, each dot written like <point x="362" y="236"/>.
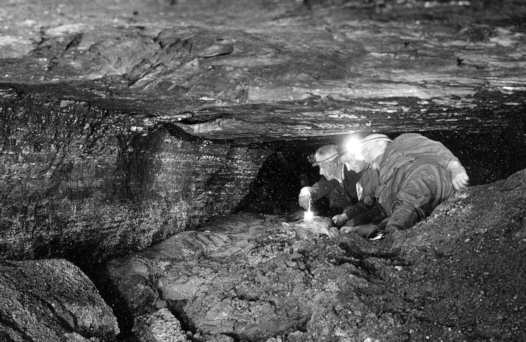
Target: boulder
<point x="160" y="326"/>
<point x="51" y="300"/>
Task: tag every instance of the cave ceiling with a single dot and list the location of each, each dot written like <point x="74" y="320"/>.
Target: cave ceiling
<point x="263" y="70"/>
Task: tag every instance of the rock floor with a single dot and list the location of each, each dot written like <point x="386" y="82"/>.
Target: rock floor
<point x="248" y="277"/>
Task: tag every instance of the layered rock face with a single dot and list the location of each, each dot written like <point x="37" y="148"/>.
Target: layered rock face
<point x="51" y="300"/>
<point x="460" y="276"/>
<point x="88" y="90"/>
<point x="279" y="69"/>
<point x="80" y="180"/>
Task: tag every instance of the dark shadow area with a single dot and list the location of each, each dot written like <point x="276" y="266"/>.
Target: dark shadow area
<point x="487" y="157"/>
<point x="282" y="175"/>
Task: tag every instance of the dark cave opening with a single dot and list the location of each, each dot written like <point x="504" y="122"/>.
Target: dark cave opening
<point x="487" y="157"/>
<point x="284" y="172"/>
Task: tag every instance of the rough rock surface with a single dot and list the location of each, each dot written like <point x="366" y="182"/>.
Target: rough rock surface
<point x="160" y="326"/>
<point x="104" y="104"/>
<point x="460" y="276"/>
<point x="265" y="69"/>
<point x="51" y="300"/>
<point x="80" y="180"/>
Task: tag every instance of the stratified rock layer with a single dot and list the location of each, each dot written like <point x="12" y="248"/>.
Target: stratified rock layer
<point x="460" y="276"/>
<point x="51" y="300"/>
<point x="82" y="180"/>
<point x="260" y="69"/>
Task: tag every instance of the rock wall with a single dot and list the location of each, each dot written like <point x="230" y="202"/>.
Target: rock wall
<point x="89" y="90"/>
<point x="81" y="180"/>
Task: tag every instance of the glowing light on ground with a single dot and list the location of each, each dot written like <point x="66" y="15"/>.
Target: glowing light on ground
<point x="308" y="216"/>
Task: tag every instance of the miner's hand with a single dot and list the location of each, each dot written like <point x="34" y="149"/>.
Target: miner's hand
<point x="340" y="219"/>
<point x="333" y="232"/>
<point x="459" y="176"/>
<point x="304" y="197"/>
<point x="364" y="230"/>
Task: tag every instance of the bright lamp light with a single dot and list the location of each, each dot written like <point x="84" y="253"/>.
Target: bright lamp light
<point x="308" y="216"/>
<point x="353" y="147"/>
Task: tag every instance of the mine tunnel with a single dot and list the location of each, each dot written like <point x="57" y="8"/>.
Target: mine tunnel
<point x="487" y="157"/>
<point x="152" y="154"/>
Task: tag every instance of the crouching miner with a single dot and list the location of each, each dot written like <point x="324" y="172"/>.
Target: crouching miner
<point x="415" y="174"/>
<point x="336" y="184"/>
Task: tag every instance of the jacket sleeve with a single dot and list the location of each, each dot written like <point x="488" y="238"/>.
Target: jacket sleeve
<point x="365" y="193"/>
<point x="355" y="209"/>
<point x="321" y="189"/>
<point x="368" y="183"/>
<point x="416" y="197"/>
<point x="402" y="218"/>
<point x="364" y="214"/>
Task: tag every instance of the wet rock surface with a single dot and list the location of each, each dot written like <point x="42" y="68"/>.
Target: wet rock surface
<point x="460" y="276"/>
<point x="51" y="300"/>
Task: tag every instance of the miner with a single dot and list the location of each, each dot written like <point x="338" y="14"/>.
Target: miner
<point x="337" y="184"/>
<point x="415" y="174"/>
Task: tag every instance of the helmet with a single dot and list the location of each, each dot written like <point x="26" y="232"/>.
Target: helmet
<point x="356" y="147"/>
<point x="325" y="153"/>
<point x="375" y="137"/>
